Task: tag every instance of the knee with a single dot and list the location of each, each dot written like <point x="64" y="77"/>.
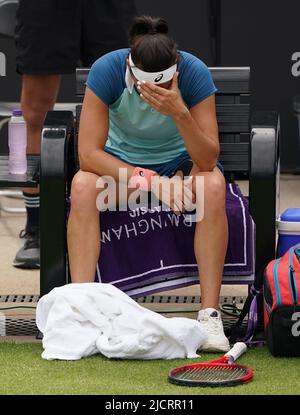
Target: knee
<point x="214" y="191"/>
<point x="35" y="112"/>
<point x="83" y="191"/>
<point x="34" y="117"/>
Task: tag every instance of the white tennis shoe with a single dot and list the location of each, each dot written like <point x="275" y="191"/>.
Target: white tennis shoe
<point x="212" y="323"/>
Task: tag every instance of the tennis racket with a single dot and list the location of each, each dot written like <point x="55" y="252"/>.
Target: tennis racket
<point x="221" y="372"/>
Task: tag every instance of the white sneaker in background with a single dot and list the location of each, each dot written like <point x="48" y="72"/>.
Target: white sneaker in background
<point x="212" y="322"/>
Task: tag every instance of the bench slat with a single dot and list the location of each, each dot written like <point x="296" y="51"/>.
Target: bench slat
<point x="231" y="80"/>
<point x="233" y="118"/>
<point x="234" y="138"/>
<point x="234" y="156"/>
<point x="237" y="148"/>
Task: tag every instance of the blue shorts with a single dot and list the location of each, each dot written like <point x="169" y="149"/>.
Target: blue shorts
<point x="169" y="168"/>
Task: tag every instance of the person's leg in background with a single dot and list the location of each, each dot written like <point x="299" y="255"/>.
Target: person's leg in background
<point x="39" y="93"/>
<point x="47" y="40"/>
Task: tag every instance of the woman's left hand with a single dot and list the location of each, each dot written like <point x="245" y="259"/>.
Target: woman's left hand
<point x="166" y="101"/>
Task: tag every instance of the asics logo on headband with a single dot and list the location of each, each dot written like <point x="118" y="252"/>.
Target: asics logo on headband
<point x="159" y="78"/>
<point x="154" y="77"/>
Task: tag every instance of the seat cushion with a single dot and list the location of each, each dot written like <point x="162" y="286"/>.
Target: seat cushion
<point x="144" y="252"/>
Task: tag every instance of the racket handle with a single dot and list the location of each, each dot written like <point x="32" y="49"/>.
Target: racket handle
<point x="237" y="350"/>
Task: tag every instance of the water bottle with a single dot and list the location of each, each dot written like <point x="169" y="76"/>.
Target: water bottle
<point x="17" y="142"/>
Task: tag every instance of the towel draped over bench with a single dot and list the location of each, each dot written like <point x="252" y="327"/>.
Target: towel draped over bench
<point x="143" y="252"/>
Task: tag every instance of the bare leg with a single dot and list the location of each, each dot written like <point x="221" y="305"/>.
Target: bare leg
<point x="210" y="245"/>
<point x="211" y="238"/>
<point x="84" y="227"/>
<point x="39" y="93"/>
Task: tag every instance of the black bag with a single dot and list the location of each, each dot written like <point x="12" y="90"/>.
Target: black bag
<point x="280" y="338"/>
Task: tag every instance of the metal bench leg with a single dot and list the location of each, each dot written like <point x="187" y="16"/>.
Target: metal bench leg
<point x="53" y="181"/>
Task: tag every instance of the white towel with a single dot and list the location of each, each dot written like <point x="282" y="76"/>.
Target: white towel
<point x="79" y="320"/>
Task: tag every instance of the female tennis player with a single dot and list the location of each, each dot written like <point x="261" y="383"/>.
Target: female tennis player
<point x="150" y="109"/>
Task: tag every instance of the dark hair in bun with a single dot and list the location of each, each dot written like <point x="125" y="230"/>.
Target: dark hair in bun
<point x="152" y="49"/>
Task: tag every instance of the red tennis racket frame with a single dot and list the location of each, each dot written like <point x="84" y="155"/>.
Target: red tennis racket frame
<point x="223" y="362"/>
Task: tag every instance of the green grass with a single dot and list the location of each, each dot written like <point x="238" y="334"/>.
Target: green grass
<point x="24" y="372"/>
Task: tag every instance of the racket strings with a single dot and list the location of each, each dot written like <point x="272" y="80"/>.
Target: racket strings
<point x="213" y="373"/>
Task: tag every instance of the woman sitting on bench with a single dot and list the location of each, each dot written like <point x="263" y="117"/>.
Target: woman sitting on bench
<point x="149" y="109"/>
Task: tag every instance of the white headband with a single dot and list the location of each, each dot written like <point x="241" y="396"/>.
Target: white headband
<point x="154" y="77"/>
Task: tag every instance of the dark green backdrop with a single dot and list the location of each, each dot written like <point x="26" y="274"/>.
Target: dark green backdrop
<point x="262" y="34"/>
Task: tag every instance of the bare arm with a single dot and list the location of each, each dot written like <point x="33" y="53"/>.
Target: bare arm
<point x="197" y="126"/>
<point x="93" y="131"/>
<point x="199" y="130"/>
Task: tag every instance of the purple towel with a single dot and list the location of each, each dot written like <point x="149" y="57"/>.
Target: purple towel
<point x="153" y="251"/>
